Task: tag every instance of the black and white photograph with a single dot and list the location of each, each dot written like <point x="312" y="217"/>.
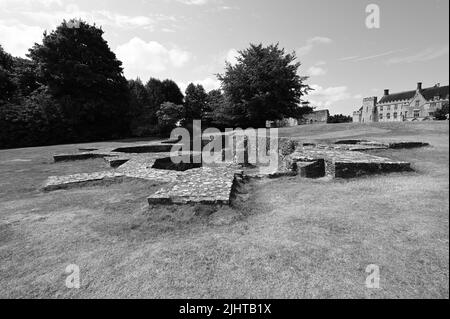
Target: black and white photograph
<point x="224" y="156"/>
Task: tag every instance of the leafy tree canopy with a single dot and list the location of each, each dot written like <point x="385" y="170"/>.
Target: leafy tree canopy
<point x="169" y="114"/>
<point x="263" y="85"/>
<point x="340" y="118"/>
<point x="195" y="102"/>
<point x="442" y="113"/>
<point x="84" y="75"/>
<point x="7" y="86"/>
<point x="75" y="60"/>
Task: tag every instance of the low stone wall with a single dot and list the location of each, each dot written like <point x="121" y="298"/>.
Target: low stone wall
<point x="76" y="157"/>
<point x="352" y="170"/>
<point x="343" y="161"/>
<point x="214" y="183"/>
<point x="157" y="148"/>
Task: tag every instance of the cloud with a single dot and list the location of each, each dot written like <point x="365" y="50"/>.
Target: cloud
<point x="100" y="17"/>
<point x="422" y="56"/>
<point x="311" y="43"/>
<point x="10" y="4"/>
<point x="195" y="2"/>
<point x="357" y="58"/>
<point x="374" y="56"/>
<point x="349" y="58"/>
<point x="231" y="56"/>
<point x="316" y="71"/>
<point x="326" y="97"/>
<point x="17" y="38"/>
<point x="145" y="59"/>
<point x="208" y="83"/>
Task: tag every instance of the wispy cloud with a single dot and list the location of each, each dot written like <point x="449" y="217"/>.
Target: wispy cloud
<point x="422" y="56"/>
<point x="196" y="2"/>
<point x="317" y="69"/>
<point x="358" y="58"/>
<point x="28" y="3"/>
<point x="100" y="17"/>
<point x="375" y="56"/>
<point x="311" y="43"/>
<point x="349" y="58"/>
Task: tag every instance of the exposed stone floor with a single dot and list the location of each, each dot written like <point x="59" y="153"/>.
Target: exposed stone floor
<point x="208" y="184"/>
<point x="213" y="184"/>
<point x="342" y="160"/>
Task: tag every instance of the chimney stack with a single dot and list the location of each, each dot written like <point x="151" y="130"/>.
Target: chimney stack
<point x="386" y="92"/>
<point x="419" y="86"/>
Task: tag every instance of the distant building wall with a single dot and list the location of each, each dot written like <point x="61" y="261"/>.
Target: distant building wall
<point x="316" y="117"/>
<point x="288" y="122"/>
<point x="357" y="116"/>
<point x="369" y="110"/>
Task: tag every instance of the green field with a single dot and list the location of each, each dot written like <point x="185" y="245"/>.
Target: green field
<point x="283" y="238"/>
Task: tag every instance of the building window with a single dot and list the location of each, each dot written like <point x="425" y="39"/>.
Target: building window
<point x="381" y="109"/>
<point x="388" y="116"/>
<point x="416" y="114"/>
<point x="406" y="113"/>
<point x="433" y="104"/>
<point x="417" y="103"/>
<point x="389" y="108"/>
<point x="381" y="117"/>
<point x="395" y="115"/>
<point x="396" y="107"/>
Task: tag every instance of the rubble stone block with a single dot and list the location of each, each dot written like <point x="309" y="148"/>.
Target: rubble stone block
<point x="314" y="169"/>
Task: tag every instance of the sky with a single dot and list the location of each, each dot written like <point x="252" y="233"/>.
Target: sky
<point x="190" y="40"/>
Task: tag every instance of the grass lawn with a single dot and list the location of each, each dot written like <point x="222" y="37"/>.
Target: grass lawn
<point x="283" y="238"/>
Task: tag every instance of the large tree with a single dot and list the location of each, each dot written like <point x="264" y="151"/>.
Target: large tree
<point x="214" y="101"/>
<point x="26" y="77"/>
<point x="169" y="114"/>
<point x="263" y="85"/>
<point x="172" y="92"/>
<point x="141" y="111"/>
<point x="195" y="102"/>
<point x="84" y="75"/>
<point x="160" y="92"/>
<point x="7" y="86"/>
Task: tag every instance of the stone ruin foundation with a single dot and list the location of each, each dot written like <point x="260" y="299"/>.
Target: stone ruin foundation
<point x="193" y="181"/>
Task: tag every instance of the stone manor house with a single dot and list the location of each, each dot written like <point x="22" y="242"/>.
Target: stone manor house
<point x="415" y="105"/>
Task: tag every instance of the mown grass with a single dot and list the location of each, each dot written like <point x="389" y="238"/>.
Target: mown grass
<point x="283" y="238"/>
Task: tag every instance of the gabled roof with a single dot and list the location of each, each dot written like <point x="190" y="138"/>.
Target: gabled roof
<point x="428" y="94"/>
<point x="396" y="97"/>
